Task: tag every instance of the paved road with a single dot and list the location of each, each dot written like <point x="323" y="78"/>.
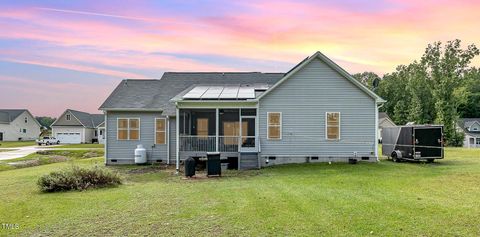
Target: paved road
<point x="27" y="150"/>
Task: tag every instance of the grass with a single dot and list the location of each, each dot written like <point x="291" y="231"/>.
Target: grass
<point x="48" y="157"/>
<point x="16" y="144"/>
<point x="80" y="146"/>
<point x="6" y="150"/>
<point x="378" y="199"/>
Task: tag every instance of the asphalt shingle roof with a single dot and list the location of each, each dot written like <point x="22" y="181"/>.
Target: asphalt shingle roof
<point x="465" y="123"/>
<point x="157" y="94"/>
<point x="87" y="119"/>
<point x="8" y="115"/>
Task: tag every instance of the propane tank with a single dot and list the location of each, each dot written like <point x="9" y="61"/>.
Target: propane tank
<point x="140" y="155"/>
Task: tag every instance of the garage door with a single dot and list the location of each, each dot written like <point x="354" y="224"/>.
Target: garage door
<point x="69" y="138"/>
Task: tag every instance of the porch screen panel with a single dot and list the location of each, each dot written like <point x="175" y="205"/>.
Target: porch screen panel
<point x="202" y="127"/>
<point x="274" y="125"/>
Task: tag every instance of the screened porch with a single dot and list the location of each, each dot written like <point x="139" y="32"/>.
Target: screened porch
<point x="217" y="130"/>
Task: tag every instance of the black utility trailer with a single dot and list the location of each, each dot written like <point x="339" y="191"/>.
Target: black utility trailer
<point x="413" y="142"/>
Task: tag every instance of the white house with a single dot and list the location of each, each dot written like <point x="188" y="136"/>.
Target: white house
<point x="18" y="124"/>
<point x="471" y="128"/>
<point x="76" y="127"/>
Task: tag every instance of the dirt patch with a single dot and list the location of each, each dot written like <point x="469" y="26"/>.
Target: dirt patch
<point x="44" y="152"/>
<point x="24" y="163"/>
<point x="91" y="154"/>
<point x="58" y="158"/>
<point x="146" y="169"/>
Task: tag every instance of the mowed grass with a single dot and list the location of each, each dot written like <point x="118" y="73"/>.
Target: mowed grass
<point x="377" y="199"/>
<point x="80" y="146"/>
<point x="16" y="144"/>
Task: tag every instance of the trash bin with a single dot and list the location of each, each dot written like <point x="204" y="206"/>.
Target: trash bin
<point x="189" y="167"/>
<point x="213" y="164"/>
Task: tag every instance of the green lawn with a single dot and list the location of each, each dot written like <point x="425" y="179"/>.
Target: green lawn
<point x="80" y="146"/>
<point x="378" y="199"/>
<point x="16" y="144"/>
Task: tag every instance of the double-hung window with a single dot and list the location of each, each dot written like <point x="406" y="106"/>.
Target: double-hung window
<point x="160" y="131"/>
<point x="274" y="128"/>
<point x="128" y="129"/>
<point x="332" y="125"/>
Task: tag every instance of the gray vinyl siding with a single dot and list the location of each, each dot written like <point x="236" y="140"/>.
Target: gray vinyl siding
<point x="303" y="100"/>
<point x="123" y="151"/>
<point x="62" y="121"/>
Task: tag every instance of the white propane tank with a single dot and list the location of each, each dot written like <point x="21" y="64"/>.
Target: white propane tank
<point x="140" y="155"/>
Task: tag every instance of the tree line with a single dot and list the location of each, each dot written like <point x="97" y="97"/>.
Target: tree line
<point x="440" y="88"/>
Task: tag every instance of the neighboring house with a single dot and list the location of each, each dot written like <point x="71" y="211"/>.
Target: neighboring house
<point x="101" y="131"/>
<point x="384" y="121"/>
<point x="315" y="112"/>
<point x="471" y="128"/>
<point x="73" y="127"/>
<point x="18" y="124"/>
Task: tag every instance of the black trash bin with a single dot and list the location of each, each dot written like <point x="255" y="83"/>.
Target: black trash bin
<point x="189" y="167"/>
<point x="214" y="166"/>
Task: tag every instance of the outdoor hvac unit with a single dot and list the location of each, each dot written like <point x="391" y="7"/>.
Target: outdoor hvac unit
<point x="140" y="155"/>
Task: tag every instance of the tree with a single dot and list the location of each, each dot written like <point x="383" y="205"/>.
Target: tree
<point x="447" y="69"/>
<point x="366" y="78"/>
<point x="45" y="121"/>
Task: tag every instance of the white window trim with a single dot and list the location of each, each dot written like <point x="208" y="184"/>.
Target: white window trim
<point x="165" y="131"/>
<point x="128" y="130"/>
<point x="339" y="126"/>
<point x="280" y="126"/>
<point x="68" y="117"/>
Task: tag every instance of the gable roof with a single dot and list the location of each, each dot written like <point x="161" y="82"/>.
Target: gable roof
<point x="156" y="95"/>
<point x="8" y="115"/>
<point x="465" y="123"/>
<point x="384" y="116"/>
<point x="334" y="66"/>
<point x="86" y="119"/>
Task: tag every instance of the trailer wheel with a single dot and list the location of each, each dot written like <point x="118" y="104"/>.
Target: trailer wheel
<point x="430" y="160"/>
<point x="394" y="157"/>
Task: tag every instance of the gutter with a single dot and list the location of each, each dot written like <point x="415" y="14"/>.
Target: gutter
<point x="168" y="140"/>
<point x="376" y="127"/>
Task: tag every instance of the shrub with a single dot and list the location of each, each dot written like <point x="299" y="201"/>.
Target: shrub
<point x="76" y="178"/>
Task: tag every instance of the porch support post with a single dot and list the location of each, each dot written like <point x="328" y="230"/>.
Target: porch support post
<point x="177" y="147"/>
<point x="376" y="132"/>
<point x="217" y="122"/>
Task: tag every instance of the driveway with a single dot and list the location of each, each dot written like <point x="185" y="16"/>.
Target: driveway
<point x="17" y="152"/>
<point x="27" y="150"/>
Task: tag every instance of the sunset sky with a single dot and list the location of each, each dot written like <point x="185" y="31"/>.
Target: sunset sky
<point x="71" y="54"/>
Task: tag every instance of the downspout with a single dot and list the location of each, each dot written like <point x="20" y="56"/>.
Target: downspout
<point x="177" y="131"/>
<point x="168" y="140"/>
<point x="105" y="136"/>
<point x="376" y="129"/>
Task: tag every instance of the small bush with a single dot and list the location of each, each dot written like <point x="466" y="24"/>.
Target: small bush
<point x="76" y="178"/>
